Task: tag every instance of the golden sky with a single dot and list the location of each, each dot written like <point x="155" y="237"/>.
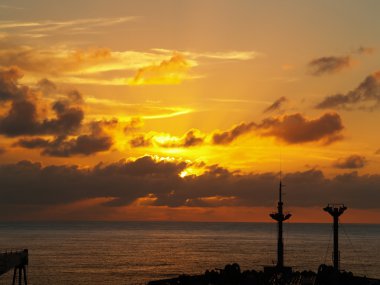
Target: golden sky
<point x="188" y="110"/>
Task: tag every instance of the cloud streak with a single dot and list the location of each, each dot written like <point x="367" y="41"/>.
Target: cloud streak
<point x="366" y="96"/>
<point x="328" y="65"/>
<point x="277" y="105"/>
<point x="50" y="27"/>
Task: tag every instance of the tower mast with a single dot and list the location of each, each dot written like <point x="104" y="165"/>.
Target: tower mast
<point x="279" y="216"/>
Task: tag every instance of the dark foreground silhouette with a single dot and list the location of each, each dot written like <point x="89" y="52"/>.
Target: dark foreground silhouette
<point x="232" y="275"/>
<point x="280" y="274"/>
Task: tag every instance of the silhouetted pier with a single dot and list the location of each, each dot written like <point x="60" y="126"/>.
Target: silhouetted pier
<point x="16" y="260"/>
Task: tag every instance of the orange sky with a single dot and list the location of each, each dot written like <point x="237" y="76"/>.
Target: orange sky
<point x="182" y="110"/>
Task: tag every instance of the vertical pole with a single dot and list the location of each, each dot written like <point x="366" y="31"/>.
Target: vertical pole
<point x="14" y="276"/>
<point x="280" y="242"/>
<point x="280" y="246"/>
<point x="25" y="277"/>
<point x="336" y="242"/>
<point x="19" y="276"/>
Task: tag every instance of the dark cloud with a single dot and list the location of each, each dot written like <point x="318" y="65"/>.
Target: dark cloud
<point x="192" y="138"/>
<point x="46" y="86"/>
<point x="23" y="117"/>
<point x="2" y="150"/>
<point x="140" y="141"/>
<point x="328" y="65"/>
<point x="351" y="162"/>
<point x="291" y="129"/>
<point x="365" y="50"/>
<point x="26" y="184"/>
<point x="8" y="84"/>
<point x="61" y="146"/>
<point x="232" y="134"/>
<point x="366" y="96"/>
<point x="296" y="128"/>
<point x="33" y="143"/>
<point x="277" y="105"/>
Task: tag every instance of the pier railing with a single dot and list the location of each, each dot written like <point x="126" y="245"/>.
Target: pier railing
<point x="16" y="260"/>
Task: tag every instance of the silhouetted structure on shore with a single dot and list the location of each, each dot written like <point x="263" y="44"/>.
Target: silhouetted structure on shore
<point x="280" y="217"/>
<point x="231" y="275"/>
<point x="18" y="260"/>
<point x="279" y="274"/>
<point x="336" y="210"/>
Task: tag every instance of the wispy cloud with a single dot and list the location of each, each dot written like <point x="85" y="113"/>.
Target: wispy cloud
<point x="50" y="27"/>
<point x="172" y="71"/>
<point x="100" y="66"/>
<point x="10" y="7"/>
<point x="333" y="64"/>
<point x="328" y="65"/>
<point x="218" y="55"/>
<point x="277" y="105"/>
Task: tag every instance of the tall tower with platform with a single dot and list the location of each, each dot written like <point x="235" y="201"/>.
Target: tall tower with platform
<point x="336" y="210"/>
<point x="280" y="217"/>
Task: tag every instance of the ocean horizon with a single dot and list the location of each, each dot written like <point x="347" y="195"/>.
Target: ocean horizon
<point x="136" y="252"/>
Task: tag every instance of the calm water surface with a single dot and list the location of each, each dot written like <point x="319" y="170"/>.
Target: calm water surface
<point x="136" y="252"/>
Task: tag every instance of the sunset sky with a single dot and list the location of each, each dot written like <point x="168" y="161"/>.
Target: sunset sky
<point x="189" y="110"/>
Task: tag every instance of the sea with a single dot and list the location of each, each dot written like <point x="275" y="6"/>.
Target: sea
<point x="136" y="252"/>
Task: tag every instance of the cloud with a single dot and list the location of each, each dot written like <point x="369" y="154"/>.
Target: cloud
<point x="172" y="71"/>
<point x="294" y="128"/>
<point x="227" y="137"/>
<point x="191" y="138"/>
<point x="291" y="129"/>
<point x="2" y="6"/>
<point x="378" y="151"/>
<point x="351" y="162"/>
<point x="27" y="114"/>
<point x="23" y="116"/>
<point x="366" y="96"/>
<point x="277" y="105"/>
<point x="27" y="185"/>
<point x="8" y="84"/>
<point x="45" y="28"/>
<point x="328" y="65"/>
<point x="220" y="55"/>
<point x="2" y="150"/>
<point x="141" y="141"/>
<point x="65" y="64"/>
<point x="365" y="50"/>
<point x="134" y="124"/>
<point x="87" y="144"/>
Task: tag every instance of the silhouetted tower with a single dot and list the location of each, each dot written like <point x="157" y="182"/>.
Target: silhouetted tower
<point x="280" y="217"/>
<point x="335" y="210"/>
